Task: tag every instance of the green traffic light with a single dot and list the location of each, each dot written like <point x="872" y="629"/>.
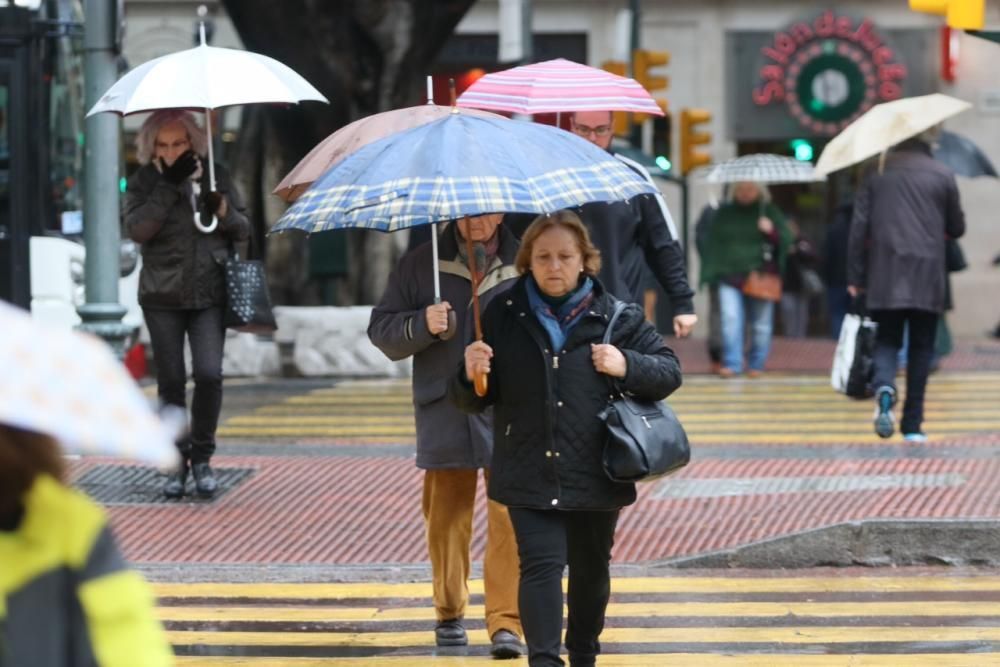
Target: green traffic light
<point x="663" y="163"/>
<point x="122" y="184"/>
<point x="802" y="149"/>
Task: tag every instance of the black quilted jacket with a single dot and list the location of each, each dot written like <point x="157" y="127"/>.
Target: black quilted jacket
<point x="547" y="437"/>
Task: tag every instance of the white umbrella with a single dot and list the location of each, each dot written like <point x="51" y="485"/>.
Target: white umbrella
<point x="206" y="77"/>
<point x="885" y="125"/>
<point x="68" y="385"/>
<point x="758" y="168"/>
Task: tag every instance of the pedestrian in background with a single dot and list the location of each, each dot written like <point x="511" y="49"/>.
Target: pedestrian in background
<point x="747" y="243"/>
<point x="630" y="233"/>
<point x="903" y="214"/>
<point x="182" y="283"/>
<point x="835" y="264"/>
<point x="800" y="284"/>
<point x="451" y="446"/>
<point x="67" y="598"/>
<point x="701" y="230"/>
<point x="549" y="375"/>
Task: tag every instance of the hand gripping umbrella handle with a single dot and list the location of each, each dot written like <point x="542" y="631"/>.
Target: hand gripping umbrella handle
<point x="479" y="380"/>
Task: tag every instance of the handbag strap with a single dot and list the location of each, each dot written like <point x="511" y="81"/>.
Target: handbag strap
<point x="619" y="307"/>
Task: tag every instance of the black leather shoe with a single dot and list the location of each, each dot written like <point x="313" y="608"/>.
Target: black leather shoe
<point x="506" y="645"/>
<point x="204" y="479"/>
<point x="176" y="481"/>
<point x="450" y="633"/>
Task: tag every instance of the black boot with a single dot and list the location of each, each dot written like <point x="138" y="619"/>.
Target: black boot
<point x="176" y="481"/>
<point x="204" y="479"/>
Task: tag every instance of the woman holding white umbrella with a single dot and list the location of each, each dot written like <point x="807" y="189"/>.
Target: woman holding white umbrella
<point x="182" y="284"/>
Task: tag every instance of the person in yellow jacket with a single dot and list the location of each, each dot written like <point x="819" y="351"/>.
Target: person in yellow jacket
<point x="67" y="597"/>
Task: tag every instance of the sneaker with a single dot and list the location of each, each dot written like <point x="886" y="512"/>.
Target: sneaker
<point x="450" y="633"/>
<point x="726" y="372"/>
<point x="506" y="645"/>
<point x="176" y="481"/>
<point x="204" y="479"/>
<point x="885" y="421"/>
<point x="915" y="437"/>
<point x="753" y="373"/>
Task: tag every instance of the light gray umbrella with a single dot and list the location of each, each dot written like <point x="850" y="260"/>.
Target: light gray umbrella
<point x="758" y="168"/>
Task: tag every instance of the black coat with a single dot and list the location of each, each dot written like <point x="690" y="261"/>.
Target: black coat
<point x="181" y="266"/>
<point x="548" y="440"/>
<point x="629" y="234"/>
<point x="901" y="220"/>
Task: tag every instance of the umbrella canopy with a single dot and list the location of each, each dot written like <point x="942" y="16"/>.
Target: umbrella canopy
<point x="555" y="86"/>
<point x="885" y="125"/>
<point x="963" y="156"/>
<point x="205" y="77"/>
<point x="69" y="386"/>
<point x="461" y="165"/>
<point x="759" y="168"/>
<point x="351" y="137"/>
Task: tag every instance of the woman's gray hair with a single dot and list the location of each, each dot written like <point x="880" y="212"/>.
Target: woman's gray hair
<point x="730" y="194"/>
<point x="145" y="141"/>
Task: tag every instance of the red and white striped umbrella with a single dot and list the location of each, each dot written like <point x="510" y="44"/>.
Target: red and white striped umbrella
<point x="558" y="86"/>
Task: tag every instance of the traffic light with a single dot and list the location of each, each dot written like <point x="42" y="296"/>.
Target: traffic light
<point x="802" y="149"/>
<point x="619" y="119"/>
<point x="691" y="138"/>
<point x="642" y="62"/>
<point x="962" y="14"/>
<point x="661" y="138"/>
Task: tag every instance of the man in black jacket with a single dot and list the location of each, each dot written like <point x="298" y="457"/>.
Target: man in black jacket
<point x="629" y="233"/>
<point x="896" y="255"/>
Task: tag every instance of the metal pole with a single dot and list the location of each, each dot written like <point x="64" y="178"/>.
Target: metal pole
<point x="527" y="40"/>
<point x="102" y="313"/>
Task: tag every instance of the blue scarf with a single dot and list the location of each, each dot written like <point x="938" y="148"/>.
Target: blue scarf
<point x="559" y="322"/>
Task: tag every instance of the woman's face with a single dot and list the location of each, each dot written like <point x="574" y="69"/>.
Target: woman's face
<point x="556" y="261"/>
<point x="746" y="193"/>
<point x="171" y="142"/>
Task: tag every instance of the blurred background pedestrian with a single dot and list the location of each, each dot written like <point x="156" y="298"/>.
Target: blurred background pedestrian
<point x="182" y="285"/>
<point x="800" y="284"/>
<point x="549" y="376"/>
<point x="746" y="247"/>
<point x="903" y="215"/>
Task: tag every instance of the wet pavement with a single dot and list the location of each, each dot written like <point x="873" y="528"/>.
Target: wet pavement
<point x="320" y="487"/>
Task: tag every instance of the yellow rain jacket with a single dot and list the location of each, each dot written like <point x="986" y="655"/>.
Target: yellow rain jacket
<point x="67" y="598"/>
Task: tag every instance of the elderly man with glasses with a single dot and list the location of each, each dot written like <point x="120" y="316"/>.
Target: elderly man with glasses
<point x="631" y="234"/>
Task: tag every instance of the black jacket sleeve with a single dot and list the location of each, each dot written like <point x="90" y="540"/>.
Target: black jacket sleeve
<point x="664" y="255"/>
<point x="653" y="371"/>
<point x="857" y="244"/>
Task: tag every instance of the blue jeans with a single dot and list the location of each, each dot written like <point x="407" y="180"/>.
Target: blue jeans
<point x="738" y="311"/>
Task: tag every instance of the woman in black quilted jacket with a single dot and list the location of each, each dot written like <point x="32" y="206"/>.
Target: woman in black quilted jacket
<point x="548" y="378"/>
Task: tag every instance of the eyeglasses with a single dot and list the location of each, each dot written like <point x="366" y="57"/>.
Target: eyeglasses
<point x="599" y="131"/>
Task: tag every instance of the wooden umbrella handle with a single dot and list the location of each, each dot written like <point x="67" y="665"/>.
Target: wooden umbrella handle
<point x="480" y="383"/>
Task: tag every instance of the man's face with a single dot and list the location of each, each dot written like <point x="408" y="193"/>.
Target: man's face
<point x="594" y="126"/>
<point x="479" y="228"/>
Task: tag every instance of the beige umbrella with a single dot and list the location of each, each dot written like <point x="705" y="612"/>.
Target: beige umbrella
<point x="350" y="138"/>
<point x="885" y="125"/>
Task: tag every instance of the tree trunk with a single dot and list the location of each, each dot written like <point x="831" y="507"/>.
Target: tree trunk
<point x="365" y="56"/>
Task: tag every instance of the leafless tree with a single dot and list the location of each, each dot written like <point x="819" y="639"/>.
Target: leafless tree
<point x="365" y="56"/>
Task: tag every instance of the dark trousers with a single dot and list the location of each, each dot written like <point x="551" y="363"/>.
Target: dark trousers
<point x="548" y="541"/>
<point x="888" y="341"/>
<point x="206" y="334"/>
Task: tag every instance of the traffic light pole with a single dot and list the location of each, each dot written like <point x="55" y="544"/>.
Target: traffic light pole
<point x="102" y="313"/>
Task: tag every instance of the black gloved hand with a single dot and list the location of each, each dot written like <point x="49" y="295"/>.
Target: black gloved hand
<point x="182" y="168"/>
<point x="211" y="201"/>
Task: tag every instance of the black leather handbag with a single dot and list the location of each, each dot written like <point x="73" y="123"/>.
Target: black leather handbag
<point x="645" y="439"/>
<point x="248" y="303"/>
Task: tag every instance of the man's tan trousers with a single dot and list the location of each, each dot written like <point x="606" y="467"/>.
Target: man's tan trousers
<point x="449" y="497"/>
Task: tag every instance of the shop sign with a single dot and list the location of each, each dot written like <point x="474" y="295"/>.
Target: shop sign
<point x="828" y="71"/>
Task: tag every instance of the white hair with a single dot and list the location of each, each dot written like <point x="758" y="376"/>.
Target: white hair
<point x="729" y="192"/>
<point x="145" y="141"/>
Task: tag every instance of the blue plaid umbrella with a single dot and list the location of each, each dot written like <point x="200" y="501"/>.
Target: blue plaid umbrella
<point x="461" y="165"/>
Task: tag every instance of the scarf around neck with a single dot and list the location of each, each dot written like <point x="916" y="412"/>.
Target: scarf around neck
<point x="559" y="321"/>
